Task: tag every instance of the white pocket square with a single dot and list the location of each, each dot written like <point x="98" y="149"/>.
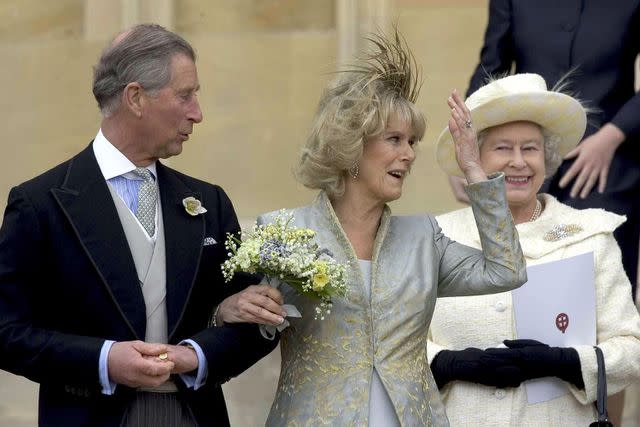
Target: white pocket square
<point x="208" y="241"/>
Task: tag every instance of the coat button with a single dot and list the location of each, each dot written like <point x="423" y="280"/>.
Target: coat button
<point x="500" y="393"/>
<point x="501" y="306"/>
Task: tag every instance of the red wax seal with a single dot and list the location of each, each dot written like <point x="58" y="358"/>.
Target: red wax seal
<point x="562" y="322"/>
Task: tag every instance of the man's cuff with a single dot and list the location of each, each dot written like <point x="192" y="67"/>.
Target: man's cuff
<point x="108" y="387"/>
<point x="195" y="382"/>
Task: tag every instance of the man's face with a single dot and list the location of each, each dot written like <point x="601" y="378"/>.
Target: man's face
<point x="170" y="113"/>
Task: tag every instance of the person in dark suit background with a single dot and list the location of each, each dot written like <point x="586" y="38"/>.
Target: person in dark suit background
<point x="597" y="43"/>
<point x="110" y="261"/>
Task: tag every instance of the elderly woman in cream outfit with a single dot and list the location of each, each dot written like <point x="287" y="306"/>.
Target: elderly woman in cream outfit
<point x="524" y="130"/>
<point x="365" y="364"/>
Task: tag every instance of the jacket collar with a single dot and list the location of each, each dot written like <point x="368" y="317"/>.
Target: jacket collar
<point x="559" y="225"/>
<point x="184" y="237"/>
<point x="87" y="203"/>
<point x="85" y="199"/>
<point x="323" y="204"/>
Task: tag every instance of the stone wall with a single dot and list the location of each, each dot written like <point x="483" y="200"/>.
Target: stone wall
<point x="262" y="66"/>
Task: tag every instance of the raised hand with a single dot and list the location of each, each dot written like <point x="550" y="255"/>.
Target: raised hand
<point x="465" y="139"/>
<point x="255" y="304"/>
<point x="136" y="364"/>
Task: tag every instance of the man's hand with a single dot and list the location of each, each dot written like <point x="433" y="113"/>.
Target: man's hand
<point x="136" y="364"/>
<point x="593" y="159"/>
<point x="255" y="304"/>
<point x="184" y="358"/>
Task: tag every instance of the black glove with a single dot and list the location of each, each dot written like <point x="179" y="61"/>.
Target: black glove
<point x="538" y="360"/>
<point x="498" y="368"/>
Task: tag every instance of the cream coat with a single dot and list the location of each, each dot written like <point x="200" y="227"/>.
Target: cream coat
<point x="484" y="321"/>
<point x="327" y="364"/>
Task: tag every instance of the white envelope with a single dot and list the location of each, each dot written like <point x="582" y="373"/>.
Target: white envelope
<point x="557" y="306"/>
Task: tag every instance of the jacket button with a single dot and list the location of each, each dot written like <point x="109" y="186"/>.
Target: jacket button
<point x="501" y="306"/>
<point x="500" y="393"/>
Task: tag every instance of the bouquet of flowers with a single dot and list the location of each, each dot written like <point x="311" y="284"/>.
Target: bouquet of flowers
<point x="289" y="254"/>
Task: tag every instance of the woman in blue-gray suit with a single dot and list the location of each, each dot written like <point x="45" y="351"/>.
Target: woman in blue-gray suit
<point x="365" y="364"/>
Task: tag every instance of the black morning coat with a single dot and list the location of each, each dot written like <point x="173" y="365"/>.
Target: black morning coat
<point x="68" y="283"/>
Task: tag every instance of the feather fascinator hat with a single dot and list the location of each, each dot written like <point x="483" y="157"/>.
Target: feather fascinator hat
<point x="519" y="97"/>
<point x="384" y="81"/>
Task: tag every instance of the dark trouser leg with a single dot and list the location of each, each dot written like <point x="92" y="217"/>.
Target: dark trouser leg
<point x="158" y="410"/>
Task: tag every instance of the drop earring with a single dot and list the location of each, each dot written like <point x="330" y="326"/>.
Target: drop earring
<point x="354" y="170"/>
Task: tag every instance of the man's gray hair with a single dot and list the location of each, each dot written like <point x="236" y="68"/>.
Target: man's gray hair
<point x="142" y="54"/>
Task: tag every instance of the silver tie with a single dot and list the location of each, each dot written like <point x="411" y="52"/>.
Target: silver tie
<point x="147" y="197"/>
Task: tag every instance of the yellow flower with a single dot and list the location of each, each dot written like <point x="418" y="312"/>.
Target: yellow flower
<point x="271" y="229"/>
<point x="321" y="267"/>
<point x="305" y="232"/>
<point x="320" y="280"/>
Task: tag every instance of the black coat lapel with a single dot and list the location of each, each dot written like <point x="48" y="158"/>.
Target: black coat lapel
<point x="87" y="203"/>
<point x="184" y="237"/>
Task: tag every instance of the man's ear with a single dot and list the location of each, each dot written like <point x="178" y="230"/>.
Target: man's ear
<point x="133" y="98"/>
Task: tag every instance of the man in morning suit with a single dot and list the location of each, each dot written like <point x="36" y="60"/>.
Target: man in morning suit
<point x="108" y="278"/>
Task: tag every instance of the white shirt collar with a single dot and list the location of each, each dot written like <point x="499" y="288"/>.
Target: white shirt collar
<point x="111" y="161"/>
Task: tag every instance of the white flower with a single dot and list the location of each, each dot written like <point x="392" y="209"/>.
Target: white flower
<point x="193" y="206"/>
<point x="281" y="250"/>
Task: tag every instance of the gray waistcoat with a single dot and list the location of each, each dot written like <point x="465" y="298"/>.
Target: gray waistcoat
<point x="149" y="259"/>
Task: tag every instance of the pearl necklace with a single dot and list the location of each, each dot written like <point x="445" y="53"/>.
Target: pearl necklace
<point x="536" y="211"/>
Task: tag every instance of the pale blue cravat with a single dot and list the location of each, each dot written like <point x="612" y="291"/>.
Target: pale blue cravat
<point x="129" y="190"/>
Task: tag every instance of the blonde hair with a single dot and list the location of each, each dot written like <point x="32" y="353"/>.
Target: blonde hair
<point x="356" y="106"/>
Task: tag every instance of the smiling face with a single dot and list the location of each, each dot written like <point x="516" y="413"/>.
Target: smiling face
<point x="386" y="161"/>
<point x="517" y="149"/>
<point x="170" y="113"/>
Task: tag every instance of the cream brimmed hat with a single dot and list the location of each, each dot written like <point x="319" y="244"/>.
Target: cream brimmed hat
<point x="520" y="97"/>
